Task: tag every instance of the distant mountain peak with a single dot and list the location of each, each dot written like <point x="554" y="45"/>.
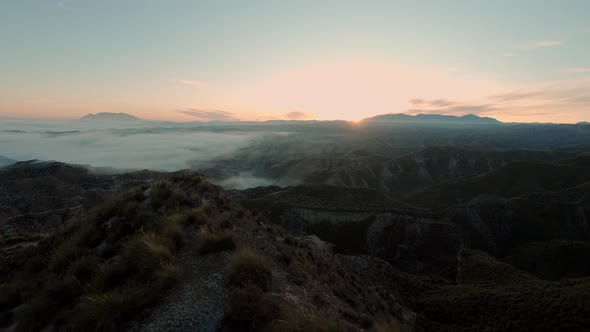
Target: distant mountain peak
<point x="431" y="118"/>
<point x="110" y="117"/>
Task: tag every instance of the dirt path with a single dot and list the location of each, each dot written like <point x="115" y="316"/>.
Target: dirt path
<point x="197" y="303"/>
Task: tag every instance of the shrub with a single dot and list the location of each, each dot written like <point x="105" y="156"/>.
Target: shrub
<point x="105" y="311"/>
<point x="249" y="309"/>
<point x="83" y="268"/>
<point x="302" y="320"/>
<point x="36" y="314"/>
<point x="212" y="242"/>
<point x="247" y="267"/>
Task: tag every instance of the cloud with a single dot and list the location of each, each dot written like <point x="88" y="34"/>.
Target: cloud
<point x="196" y="84"/>
<point x="565" y="101"/>
<point x="298" y="115"/>
<point x="431" y="103"/>
<point x="210" y="115"/>
<point x="578" y="70"/>
<point x="508" y="54"/>
<point x="513" y="96"/>
<point x="543" y="43"/>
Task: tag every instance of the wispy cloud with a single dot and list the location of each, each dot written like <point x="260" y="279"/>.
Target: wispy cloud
<point x="210" y="115"/>
<point x="196" y="84"/>
<point x="543" y="43"/>
<point x="431" y="103"/>
<point x="579" y="70"/>
<point x="561" y="101"/>
<point x="299" y="115"/>
<point x="508" y="54"/>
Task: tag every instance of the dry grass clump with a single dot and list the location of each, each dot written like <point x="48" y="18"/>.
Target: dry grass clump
<point x="106" y="311"/>
<point x="172" y="231"/>
<point x="147" y="251"/>
<point x="246" y="267"/>
<point x="83" y="268"/>
<point x="250" y="309"/>
<point x="387" y="325"/>
<point x="166" y="277"/>
<point x="306" y="320"/>
<point x="212" y="242"/>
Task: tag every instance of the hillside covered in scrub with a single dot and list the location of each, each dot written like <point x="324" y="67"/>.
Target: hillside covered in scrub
<point x="177" y="254"/>
<point x="173" y="252"/>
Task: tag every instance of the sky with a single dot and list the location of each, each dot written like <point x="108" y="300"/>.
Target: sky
<point x="525" y="61"/>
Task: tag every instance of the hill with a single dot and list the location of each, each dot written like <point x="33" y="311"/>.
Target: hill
<point x="414" y="170"/>
<point x="514" y="179"/>
<point x="6" y="161"/>
<point x="110" y="117"/>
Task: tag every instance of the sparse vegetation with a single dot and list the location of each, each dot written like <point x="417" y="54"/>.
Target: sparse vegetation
<point x="107" y="265"/>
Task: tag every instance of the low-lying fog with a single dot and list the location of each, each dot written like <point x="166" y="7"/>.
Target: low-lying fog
<point x="124" y="148"/>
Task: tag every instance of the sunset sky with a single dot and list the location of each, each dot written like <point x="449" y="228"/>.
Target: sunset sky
<point x="258" y="60"/>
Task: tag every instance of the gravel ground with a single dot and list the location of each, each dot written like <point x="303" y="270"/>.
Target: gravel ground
<point x="197" y="303"/>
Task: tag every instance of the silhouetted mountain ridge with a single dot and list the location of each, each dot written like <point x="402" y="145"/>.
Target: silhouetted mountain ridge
<point x="110" y="117"/>
<point x="432" y="118"/>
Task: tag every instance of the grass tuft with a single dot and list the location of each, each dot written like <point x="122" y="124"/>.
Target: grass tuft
<point x="168" y="276"/>
<point x="147" y="252"/>
<point x="249" y="309"/>
<point x="246" y="267"/>
<point x="106" y="311"/>
<point x="83" y="268"/>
